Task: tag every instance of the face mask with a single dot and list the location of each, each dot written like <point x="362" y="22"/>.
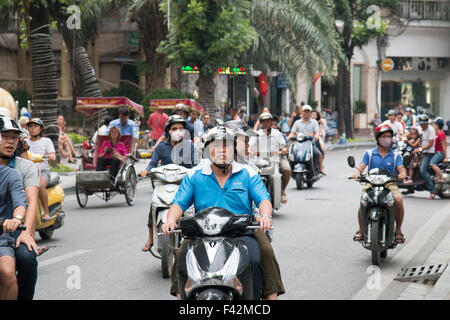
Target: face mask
<point x="177" y="135"/>
<point x="385" y="142"/>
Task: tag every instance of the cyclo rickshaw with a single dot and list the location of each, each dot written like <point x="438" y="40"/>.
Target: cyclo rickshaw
<point x="89" y="181"/>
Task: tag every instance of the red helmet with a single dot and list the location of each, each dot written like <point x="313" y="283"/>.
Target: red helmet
<point x="379" y="130"/>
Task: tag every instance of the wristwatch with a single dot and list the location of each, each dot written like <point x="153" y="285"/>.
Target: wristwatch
<point x="18" y="217"/>
<point x="267" y="215"/>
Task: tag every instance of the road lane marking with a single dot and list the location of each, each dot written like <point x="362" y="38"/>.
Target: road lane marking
<point x="62" y="258"/>
<point x="391" y="268"/>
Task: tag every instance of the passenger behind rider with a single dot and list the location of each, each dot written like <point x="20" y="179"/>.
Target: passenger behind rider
<point x="383" y="157"/>
<point x="26" y="248"/>
<point x="271" y="141"/>
<point x="310" y="127"/>
<point x="396" y="126"/>
<point x="41" y="145"/>
<point x="113" y="153"/>
<point x="219" y="181"/>
<point x="440" y="146"/>
<point x="170" y="151"/>
<point x="414" y="141"/>
<point x="102" y="131"/>
<point x="272" y="284"/>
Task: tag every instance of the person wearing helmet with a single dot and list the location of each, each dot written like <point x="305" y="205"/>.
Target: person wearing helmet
<point x="12" y="208"/>
<point x="427" y="149"/>
<point x="383" y="157"/>
<point x="219" y="181"/>
<point x="310" y="127"/>
<point x="409" y="119"/>
<point x="26" y="248"/>
<point x="174" y="150"/>
<point x="271" y="141"/>
<point x="272" y="288"/>
<point x="41" y="145"/>
<point x="396" y="126"/>
<point x="183" y="111"/>
<point x="440" y="146"/>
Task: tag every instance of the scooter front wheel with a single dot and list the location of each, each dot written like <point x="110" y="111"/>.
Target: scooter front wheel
<point x="299" y="181"/>
<point x="375" y="242"/>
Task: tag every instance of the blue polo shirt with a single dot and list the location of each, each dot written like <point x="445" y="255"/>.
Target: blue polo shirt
<point x="386" y="163"/>
<point x="129" y="129"/>
<point x="12" y="194"/>
<point x="200" y="187"/>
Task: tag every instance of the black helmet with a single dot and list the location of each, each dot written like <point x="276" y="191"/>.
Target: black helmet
<point x="423" y="119"/>
<point x="173" y="119"/>
<point x="240" y="128"/>
<point x="8" y="124"/>
<point x="439" y="122"/>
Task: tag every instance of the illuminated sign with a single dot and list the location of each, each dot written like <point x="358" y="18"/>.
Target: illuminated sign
<point x="189" y="69"/>
<point x="228" y="70"/>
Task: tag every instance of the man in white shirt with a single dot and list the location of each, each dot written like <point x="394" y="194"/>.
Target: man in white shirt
<point x="394" y="124"/>
<point x="427" y="149"/>
<point x="309" y="127"/>
<point x="271" y="141"/>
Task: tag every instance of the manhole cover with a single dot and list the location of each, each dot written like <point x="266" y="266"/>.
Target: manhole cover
<point x="427" y="272"/>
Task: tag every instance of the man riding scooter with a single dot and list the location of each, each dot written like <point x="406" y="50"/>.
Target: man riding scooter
<point x="271" y="140"/>
<point x="219" y="181"/>
<point x="383" y="157"/>
<point x="172" y="150"/>
<point x="12" y="212"/>
<point x="25" y="259"/>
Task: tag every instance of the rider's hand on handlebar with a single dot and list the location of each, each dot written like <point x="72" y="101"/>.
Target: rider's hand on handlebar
<point x="168" y="226"/>
<point x="51" y="156"/>
<point x="284" y="151"/>
<point x="401" y="176"/>
<point x="356" y="174"/>
<point x="143" y="173"/>
<point x="265" y="222"/>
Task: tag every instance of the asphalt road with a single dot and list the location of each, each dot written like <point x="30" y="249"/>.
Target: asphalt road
<point x="96" y="255"/>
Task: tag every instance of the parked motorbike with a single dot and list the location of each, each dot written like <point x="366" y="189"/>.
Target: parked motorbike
<point x="268" y="168"/>
<point x="214" y="266"/>
<point x="166" y="181"/>
<point x="304" y="168"/>
<point x="143" y="147"/>
<point x="377" y="212"/>
<point x="55" y="203"/>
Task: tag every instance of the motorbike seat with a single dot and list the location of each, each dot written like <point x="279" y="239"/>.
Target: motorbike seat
<point x="443" y="165"/>
<point x="54" y="180"/>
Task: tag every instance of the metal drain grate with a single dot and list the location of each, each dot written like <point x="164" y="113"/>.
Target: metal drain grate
<point x="421" y="273"/>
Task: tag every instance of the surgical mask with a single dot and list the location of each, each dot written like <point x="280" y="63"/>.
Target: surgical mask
<point x="177" y="135"/>
<point x="385" y="142"/>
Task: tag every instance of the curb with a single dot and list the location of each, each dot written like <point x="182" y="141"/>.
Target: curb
<point x="352" y="145"/>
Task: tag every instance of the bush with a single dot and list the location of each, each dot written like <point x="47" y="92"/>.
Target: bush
<point x="162" y="93"/>
<point x="359" y="106"/>
<point x="76" y="138"/>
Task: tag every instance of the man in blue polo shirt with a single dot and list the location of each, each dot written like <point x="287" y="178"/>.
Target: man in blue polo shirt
<point x="126" y="126"/>
<point x="218" y="181"/>
<point x="382" y="157"/>
<point x="12" y="209"/>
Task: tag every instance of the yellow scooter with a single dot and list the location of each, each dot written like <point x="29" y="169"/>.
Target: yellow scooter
<point x="55" y="203"/>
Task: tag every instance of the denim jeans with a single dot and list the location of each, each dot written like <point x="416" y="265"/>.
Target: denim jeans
<point x="437" y="158"/>
<point x="425" y="165"/>
<point x="26" y="266"/>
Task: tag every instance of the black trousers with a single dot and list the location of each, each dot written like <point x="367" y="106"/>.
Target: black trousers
<point x="113" y="163"/>
<point x="26" y="266"/>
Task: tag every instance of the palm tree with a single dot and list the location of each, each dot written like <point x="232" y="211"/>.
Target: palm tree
<point x="293" y="36"/>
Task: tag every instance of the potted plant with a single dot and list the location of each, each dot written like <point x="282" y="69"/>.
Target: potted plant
<point x="360" y="114"/>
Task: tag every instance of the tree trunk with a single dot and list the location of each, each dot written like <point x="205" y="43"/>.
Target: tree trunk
<point x="206" y="95"/>
<point x="44" y="78"/>
<point x="340" y="98"/>
<point x="347" y="104"/>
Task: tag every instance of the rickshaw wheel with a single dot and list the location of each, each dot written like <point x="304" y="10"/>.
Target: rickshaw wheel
<point x="82" y="196"/>
<point x="130" y="186"/>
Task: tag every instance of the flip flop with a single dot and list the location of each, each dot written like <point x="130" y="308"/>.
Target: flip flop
<point x="358" y="236"/>
<point x="146" y="247"/>
<point x="399" y="240"/>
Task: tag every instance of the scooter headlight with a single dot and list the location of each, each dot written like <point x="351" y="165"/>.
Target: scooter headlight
<point x="171" y="175"/>
<point x="212" y="224"/>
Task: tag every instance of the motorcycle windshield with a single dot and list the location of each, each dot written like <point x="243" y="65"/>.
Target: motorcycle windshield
<point x="214" y="221"/>
<point x="301" y="150"/>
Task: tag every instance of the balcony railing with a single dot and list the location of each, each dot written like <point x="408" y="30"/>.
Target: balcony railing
<point x="424" y="10"/>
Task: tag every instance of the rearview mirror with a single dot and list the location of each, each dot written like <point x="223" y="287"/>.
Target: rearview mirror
<point x="351" y="161"/>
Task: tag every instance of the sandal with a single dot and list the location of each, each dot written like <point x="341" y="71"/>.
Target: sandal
<point x="399" y="240"/>
<point x="432" y="196"/>
<point x="147" y="246"/>
<point x="409" y="181"/>
<point x="283" y="199"/>
<point x="358" y="236"/>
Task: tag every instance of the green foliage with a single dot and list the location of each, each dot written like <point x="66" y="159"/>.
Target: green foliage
<point x="76" y="138"/>
<point x="360" y="106"/>
<point x="125" y="90"/>
<point x="208" y="34"/>
<point x="22" y="96"/>
<point x="162" y="93"/>
<point x="62" y="168"/>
